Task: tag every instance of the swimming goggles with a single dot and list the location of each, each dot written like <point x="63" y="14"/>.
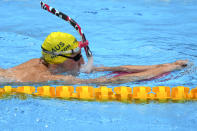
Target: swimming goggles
<point x="75" y="58"/>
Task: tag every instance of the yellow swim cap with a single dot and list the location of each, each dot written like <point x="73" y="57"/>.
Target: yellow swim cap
<point x="58" y="42"/>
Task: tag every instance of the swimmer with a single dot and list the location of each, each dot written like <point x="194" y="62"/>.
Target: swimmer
<point x="61" y="54"/>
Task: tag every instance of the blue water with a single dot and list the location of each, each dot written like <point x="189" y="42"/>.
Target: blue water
<point x="143" y="32"/>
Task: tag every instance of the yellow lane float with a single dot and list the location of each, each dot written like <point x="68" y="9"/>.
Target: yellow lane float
<point x="139" y="94"/>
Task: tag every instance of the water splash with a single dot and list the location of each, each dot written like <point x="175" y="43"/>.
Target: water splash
<point x="87" y="68"/>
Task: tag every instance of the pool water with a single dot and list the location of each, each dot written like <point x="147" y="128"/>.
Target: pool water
<point x="128" y="32"/>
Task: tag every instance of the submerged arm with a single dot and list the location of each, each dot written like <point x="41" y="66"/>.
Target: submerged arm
<point x="122" y="79"/>
<point x="73" y="80"/>
<point x="101" y="80"/>
<point x="125" y="68"/>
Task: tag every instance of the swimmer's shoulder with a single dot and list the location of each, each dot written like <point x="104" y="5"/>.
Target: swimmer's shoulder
<point x="32" y="61"/>
<point x="27" y="64"/>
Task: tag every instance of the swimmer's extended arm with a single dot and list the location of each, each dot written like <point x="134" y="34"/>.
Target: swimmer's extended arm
<point x="126" y="68"/>
<point x="147" y="74"/>
<point x="125" y="78"/>
<point x="139" y="68"/>
<point x="121" y="79"/>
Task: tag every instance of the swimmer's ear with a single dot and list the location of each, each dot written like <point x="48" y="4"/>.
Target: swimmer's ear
<point x="42" y="61"/>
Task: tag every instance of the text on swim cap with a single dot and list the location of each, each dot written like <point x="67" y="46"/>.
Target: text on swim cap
<point x="59" y="46"/>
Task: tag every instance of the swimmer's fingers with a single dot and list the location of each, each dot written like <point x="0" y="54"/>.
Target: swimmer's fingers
<point x="182" y="63"/>
<point x="190" y="64"/>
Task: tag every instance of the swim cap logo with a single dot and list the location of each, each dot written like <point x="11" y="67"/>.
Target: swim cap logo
<point x="58" y="47"/>
<point x="66" y="48"/>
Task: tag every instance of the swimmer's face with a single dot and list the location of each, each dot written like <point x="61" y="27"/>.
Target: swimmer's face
<point x="72" y="65"/>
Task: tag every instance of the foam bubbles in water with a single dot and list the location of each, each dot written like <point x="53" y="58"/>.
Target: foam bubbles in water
<point x="87" y="68"/>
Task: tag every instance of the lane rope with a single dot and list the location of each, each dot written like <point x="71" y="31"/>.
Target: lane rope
<point x="161" y="94"/>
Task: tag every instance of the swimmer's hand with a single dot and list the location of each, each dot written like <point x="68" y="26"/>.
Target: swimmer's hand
<point x="181" y="64"/>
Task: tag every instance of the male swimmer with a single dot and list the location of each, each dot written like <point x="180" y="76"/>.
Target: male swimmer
<point x="61" y="54"/>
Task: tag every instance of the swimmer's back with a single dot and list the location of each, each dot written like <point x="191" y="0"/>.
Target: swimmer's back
<point x="30" y="63"/>
<point x="31" y="70"/>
